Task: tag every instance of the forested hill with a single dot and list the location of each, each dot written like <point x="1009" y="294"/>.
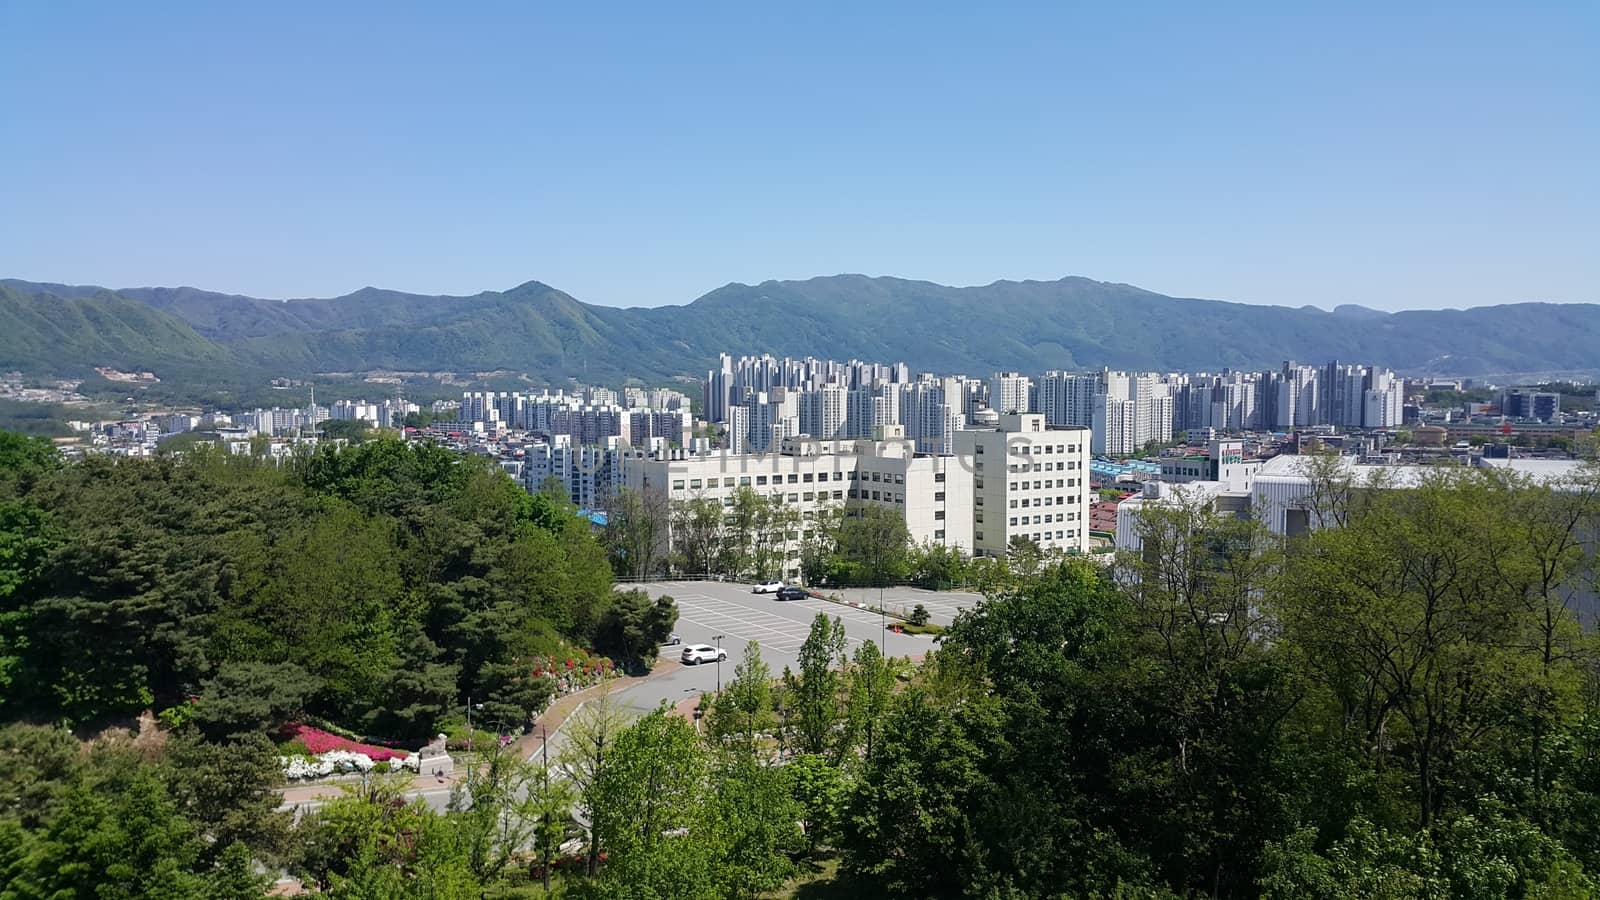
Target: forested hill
<point x="1029" y="325"/>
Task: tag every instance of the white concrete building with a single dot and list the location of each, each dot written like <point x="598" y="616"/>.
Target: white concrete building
<point x="1009" y="392"/>
<point x="1029" y="479"/>
<point x="933" y="493"/>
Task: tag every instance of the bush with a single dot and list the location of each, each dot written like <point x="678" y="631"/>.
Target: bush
<point x="919" y="615"/>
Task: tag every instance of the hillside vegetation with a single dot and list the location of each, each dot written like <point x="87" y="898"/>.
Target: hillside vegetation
<point x="1072" y="323"/>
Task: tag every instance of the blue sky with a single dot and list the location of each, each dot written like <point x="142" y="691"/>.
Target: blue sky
<point x="1438" y="155"/>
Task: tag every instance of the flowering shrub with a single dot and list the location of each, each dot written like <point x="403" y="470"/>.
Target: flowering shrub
<point x="340" y="762"/>
<point x="574" y="671"/>
<point x="319" y="742"/>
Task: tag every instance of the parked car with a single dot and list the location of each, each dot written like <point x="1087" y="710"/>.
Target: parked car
<point x="674" y="640"/>
<point x="767" y="587"/>
<point x="695" y="654"/>
<point x="790" y="592"/>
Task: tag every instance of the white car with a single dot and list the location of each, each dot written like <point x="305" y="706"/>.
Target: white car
<point x="767" y="587"/>
<point x="695" y="654"/>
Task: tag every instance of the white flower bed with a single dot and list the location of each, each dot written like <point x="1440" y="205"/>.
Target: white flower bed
<point x="338" y="762"/>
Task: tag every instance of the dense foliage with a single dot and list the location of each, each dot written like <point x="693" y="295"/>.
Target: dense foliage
<point x="1403" y="703"/>
<point x="376" y="587"/>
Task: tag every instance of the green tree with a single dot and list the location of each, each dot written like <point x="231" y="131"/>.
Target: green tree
<point x="645" y="808"/>
<point x="697" y="534"/>
<point x="815" y="691"/>
<point x="634" y="628"/>
<point x="591" y="740"/>
<point x="247" y="698"/>
<point x="636" y="533"/>
<point x="821" y="789"/>
<point x="871" y="685"/>
<point x="744" y="712"/>
<point x="495" y="812"/>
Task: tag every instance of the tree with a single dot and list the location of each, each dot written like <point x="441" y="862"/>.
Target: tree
<point x="1407" y="617"/>
<point x="495" y="812"/>
<point x="875" y="538"/>
<point x="820" y="788"/>
<point x="372" y="843"/>
<point x="815" y="691"/>
<point x="550" y="803"/>
<point x="229" y="792"/>
<point x="247" y="698"/>
<point x="909" y="827"/>
<point x="591" y="736"/>
<point x="753" y="827"/>
<point x="871" y="686"/>
<point x="697" y="534"/>
<point x="353" y="430"/>
<point x="634" y="628"/>
<point x="645" y="807"/>
<point x="743" y="713"/>
<point x="1024" y="555"/>
<point x="513" y="695"/>
<point x="636" y="531"/>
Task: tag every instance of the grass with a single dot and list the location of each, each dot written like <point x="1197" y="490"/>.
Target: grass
<point x="820" y="880"/>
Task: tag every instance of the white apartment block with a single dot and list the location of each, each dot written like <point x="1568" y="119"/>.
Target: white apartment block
<point x="1029" y="479"/>
<point x="1010" y="392"/>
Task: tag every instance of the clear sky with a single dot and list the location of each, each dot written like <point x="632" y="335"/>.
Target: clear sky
<point x="1394" y="155"/>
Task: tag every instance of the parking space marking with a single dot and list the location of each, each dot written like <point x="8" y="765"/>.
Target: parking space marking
<point x="717" y="618"/>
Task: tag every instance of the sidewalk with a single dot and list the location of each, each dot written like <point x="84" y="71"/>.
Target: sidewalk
<point x="525" y="747"/>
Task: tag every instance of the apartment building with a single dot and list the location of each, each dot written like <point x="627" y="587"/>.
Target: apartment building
<point x="1029" y="479"/>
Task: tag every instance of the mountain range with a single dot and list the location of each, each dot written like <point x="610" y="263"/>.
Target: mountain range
<point x="1073" y="323"/>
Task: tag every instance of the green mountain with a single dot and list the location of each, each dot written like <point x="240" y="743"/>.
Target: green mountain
<point x="47" y="332"/>
<point x="1029" y="325"/>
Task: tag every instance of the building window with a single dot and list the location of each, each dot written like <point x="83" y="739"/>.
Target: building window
<point x="939" y="535"/>
<point x="938" y="477"/>
<point x="977" y="450"/>
<point x="854" y="494"/>
<point x="938" y="496"/>
<point x="838" y="495"/>
<point x="694" y="484"/>
<point x="761" y="479"/>
<point x="727" y="501"/>
<point x="1013" y="520"/>
<point x="744" y="481"/>
<point x="727" y="482"/>
<point x="899" y="479"/>
<point x="876" y="476"/>
<point x="793" y="478"/>
<point x="977" y="517"/>
<point x="678" y="485"/>
<point x="808" y="496"/>
<point x="938" y="515"/>
<point x="977" y="501"/>
<point x="794" y="498"/>
<point x="806" y="477"/>
<point x="875" y="496"/>
<point x="977" y="535"/>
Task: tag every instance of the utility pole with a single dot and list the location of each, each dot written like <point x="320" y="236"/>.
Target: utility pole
<point x="719" y="663"/>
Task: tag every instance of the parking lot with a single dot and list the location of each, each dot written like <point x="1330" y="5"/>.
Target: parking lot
<point x="708" y="609"/>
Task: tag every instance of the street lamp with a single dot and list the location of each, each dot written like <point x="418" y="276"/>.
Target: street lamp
<point x="718" y="639"/>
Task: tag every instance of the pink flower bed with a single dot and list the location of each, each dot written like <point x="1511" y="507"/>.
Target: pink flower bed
<point x="320" y="742"/>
